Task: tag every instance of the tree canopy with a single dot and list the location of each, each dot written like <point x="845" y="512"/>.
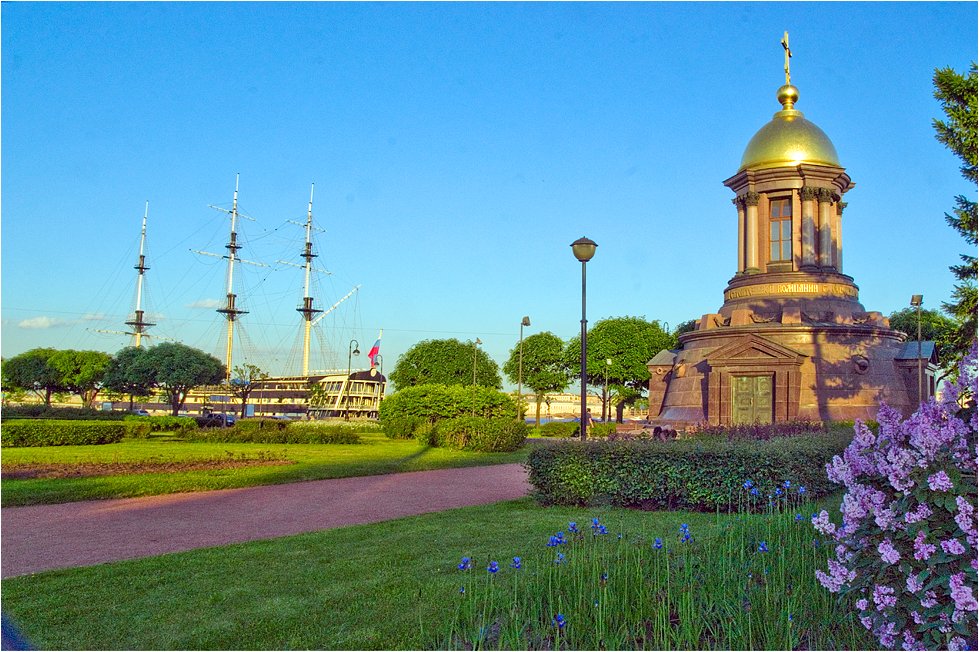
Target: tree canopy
<point x="31" y="371"/>
<point x="934" y="326"/>
<point x="242" y="383"/>
<point x="81" y="372"/>
<point x="127" y="376"/>
<point x="176" y="369"/>
<point x="629" y="342"/>
<point x="543" y="366"/>
<point x="445" y="362"/>
<point x="957" y="93"/>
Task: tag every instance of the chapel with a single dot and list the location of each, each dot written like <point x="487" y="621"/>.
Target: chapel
<point x="791" y="340"/>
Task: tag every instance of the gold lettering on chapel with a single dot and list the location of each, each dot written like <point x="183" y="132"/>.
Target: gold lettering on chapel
<point x="823" y="289"/>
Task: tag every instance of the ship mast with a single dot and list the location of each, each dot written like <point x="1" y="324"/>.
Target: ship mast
<point x="229" y="311"/>
<point x="137" y="323"/>
<point x="307" y="310"/>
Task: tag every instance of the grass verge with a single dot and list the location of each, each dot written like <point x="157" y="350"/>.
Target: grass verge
<point x="376" y="455"/>
<point x="392" y="585"/>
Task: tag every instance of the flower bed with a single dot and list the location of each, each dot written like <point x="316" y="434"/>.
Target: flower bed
<point x="746" y="584"/>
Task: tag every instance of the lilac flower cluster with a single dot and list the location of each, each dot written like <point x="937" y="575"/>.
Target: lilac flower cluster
<point x="911" y="495"/>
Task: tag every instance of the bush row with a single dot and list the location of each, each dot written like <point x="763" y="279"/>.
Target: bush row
<point x="481" y="434"/>
<point x="40" y="411"/>
<point x="681" y="474"/>
<point x="50" y="432"/>
<point x="276" y="431"/>
<point x="179" y="425"/>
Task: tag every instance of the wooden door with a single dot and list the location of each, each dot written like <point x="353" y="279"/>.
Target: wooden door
<point x="751" y="399"/>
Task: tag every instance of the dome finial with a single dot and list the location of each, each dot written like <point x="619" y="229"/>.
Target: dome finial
<point x="788" y="55"/>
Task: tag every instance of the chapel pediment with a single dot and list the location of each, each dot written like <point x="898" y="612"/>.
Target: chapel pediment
<point x="753" y="349"/>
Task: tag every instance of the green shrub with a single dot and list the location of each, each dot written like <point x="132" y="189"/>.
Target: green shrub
<point x="559" y="429"/>
<point x="260" y="423"/>
<point x="179" y="425"/>
<point x="602" y="430"/>
<point x="67" y="432"/>
<point x="138" y="428"/>
<point x="40" y="411"/>
<point x="401" y="412"/>
<point x="425" y="432"/>
<point x="499" y="434"/>
<point x="402" y="427"/>
<point x="681" y="474"/>
<point x="293" y="432"/>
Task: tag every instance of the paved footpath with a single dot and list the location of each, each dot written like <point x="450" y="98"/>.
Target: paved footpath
<point x="46" y="537"/>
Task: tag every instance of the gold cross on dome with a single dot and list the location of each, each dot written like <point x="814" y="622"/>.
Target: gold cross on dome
<point x="788" y="55"/>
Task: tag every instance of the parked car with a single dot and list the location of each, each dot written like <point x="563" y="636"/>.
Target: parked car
<point x="140" y="413"/>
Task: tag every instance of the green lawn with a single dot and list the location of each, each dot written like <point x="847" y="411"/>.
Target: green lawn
<point x="392" y="585"/>
<point x="376" y="455"/>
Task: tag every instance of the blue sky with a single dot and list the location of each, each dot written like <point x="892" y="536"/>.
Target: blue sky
<point x="457" y="150"/>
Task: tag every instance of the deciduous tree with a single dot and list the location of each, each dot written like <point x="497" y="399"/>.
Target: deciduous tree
<point x="243" y="383"/>
<point x="629" y="342"/>
<point x="934" y="326"/>
<point x="81" y="372"/>
<point x="176" y="369"/>
<point x="127" y="375"/>
<point x="543" y="366"/>
<point x="31" y="371"/>
<point x="445" y="362"/>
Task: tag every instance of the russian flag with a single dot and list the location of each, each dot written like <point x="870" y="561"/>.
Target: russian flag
<point x="376" y="349"/>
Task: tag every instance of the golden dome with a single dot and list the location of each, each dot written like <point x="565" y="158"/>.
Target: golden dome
<point x="789" y="139"/>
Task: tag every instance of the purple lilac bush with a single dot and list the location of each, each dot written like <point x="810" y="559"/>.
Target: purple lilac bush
<point x="906" y="550"/>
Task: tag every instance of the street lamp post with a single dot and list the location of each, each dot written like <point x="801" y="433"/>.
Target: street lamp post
<point x="475" y="345"/>
<point x="523" y="322"/>
<point x="583" y="249"/>
<point x="605" y="408"/>
<point x="379" y="360"/>
<point x="916" y="301"/>
<point x="352" y="350"/>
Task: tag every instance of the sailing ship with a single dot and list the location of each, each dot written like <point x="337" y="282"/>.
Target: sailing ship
<point x="355" y="393"/>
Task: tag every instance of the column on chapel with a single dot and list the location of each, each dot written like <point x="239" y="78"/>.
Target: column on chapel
<point x="796" y="230"/>
<point x="825" y="197"/>
<point x="739" y="203"/>
<point x="751" y="239"/>
<point x="838" y="233"/>
<point x="808" y="195"/>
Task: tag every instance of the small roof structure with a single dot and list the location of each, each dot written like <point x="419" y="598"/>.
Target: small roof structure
<point x="665" y="358"/>
<point x="910" y="351"/>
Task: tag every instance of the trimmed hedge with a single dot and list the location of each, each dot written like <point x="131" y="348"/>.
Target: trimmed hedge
<point x="479" y="434"/>
<point x="404" y="412"/>
<point x="41" y="411"/>
<point x="66" y="432"/>
<point x="274" y="431"/>
<point x="683" y="474"/>
<point x="179" y="425"/>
